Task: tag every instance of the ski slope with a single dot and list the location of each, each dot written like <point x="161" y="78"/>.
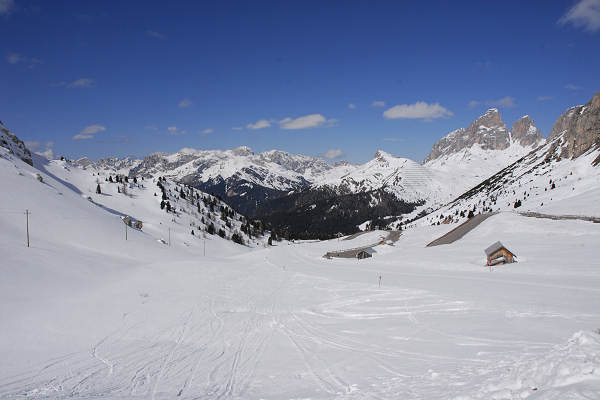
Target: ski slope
<point x="86" y="314"/>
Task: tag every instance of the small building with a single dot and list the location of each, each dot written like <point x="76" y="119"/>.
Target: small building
<point x="498" y="254"/>
<point x="365" y="253"/>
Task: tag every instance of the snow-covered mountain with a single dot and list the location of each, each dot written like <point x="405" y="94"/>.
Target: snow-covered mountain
<point x="467" y="156"/>
<point x="560" y="177"/>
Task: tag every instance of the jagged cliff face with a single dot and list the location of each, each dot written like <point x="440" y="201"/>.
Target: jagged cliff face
<point x="15" y="145"/>
<point x="579" y="127"/>
<point x="525" y="133"/>
<point x="489" y="131"/>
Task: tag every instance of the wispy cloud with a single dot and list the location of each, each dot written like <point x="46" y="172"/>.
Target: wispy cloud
<point x="237" y="128"/>
<point x="585" y="14"/>
<point x="185" y="103"/>
<point x="352" y="106"/>
<point x="570" y="86"/>
<point x="207" y="131"/>
<point x="81" y="83"/>
<point x="6" y="6"/>
<point x="378" y="103"/>
<point x="333" y="153"/>
<point x="261" y="124"/>
<point x="393" y="139"/>
<point x="89" y="131"/>
<point x="13" y="58"/>
<point x="306" y="122"/>
<point x="156" y="35"/>
<point x="172" y="130"/>
<point x="418" y="110"/>
<point x="506" y="102"/>
<point x="545" y="98"/>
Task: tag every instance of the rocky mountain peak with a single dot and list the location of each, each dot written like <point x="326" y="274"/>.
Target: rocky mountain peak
<point x="525" y="133"/>
<point x="579" y="127"/>
<point x="15" y="145"/>
<point x="488" y="131"/>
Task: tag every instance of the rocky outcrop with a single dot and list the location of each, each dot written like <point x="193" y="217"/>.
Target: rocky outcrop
<point x="525" y="133"/>
<point x="488" y="131"/>
<point x="15" y="145"/>
<point x="579" y="128"/>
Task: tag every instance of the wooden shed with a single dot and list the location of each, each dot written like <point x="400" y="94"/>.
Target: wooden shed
<point x="365" y="253"/>
<point x="498" y="254"/>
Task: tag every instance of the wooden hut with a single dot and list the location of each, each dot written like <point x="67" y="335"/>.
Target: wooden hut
<point x="365" y="253"/>
<point x="498" y="254"/>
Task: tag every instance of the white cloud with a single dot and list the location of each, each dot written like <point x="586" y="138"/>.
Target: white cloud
<point x="172" y="130"/>
<point x="6" y="6"/>
<point x="207" y="131"/>
<point x="419" y="110"/>
<point x="306" y="122"/>
<point x="352" y="106"/>
<point x="80" y="83"/>
<point x="89" y="131"/>
<point x="263" y="123"/>
<point x="237" y="128"/>
<point x="507" y="102"/>
<point x="474" y="103"/>
<point x="333" y="153"/>
<point x="32" y="145"/>
<point x="185" y="103"/>
<point x="36" y="147"/>
<point x="48" y="153"/>
<point x="377" y="103"/>
<point x="585" y="14"/>
<point x="570" y="86"/>
<point x="156" y="35"/>
<point x="544" y="98"/>
<point x="393" y="139"/>
<point x="13" y="58"/>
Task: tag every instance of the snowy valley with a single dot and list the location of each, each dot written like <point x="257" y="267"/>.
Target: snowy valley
<point x="202" y="302"/>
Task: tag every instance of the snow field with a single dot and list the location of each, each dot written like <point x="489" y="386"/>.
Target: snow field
<point x="85" y="314"/>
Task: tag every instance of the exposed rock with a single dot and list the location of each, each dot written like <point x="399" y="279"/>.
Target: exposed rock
<point x="525" y="133"/>
<point x="489" y="131"/>
<point x="14" y="145"/>
<point x="579" y="127"/>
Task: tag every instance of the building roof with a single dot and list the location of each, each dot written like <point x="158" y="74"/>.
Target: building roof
<point x="495" y="247"/>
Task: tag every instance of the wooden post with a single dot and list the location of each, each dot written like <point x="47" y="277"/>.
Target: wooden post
<point x="27" y="216"/>
<point x="125" y="231"/>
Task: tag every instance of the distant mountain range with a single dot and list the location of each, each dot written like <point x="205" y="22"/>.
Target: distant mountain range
<point x="303" y="194"/>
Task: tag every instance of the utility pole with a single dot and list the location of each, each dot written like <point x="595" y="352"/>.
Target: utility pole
<point x="27" y="216"/>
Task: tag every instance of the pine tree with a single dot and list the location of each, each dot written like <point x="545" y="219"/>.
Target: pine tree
<point x="98" y="191"/>
<point x="110" y="179"/>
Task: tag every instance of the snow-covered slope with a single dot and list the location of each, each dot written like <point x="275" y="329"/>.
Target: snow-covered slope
<point x="86" y="314"/>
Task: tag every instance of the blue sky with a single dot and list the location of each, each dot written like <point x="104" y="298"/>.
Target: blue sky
<point x="341" y="79"/>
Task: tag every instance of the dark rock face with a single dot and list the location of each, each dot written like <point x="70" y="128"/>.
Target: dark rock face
<point x="525" y="133"/>
<point x="489" y="131"/>
<point x="15" y="145"/>
<point x="579" y="127"/>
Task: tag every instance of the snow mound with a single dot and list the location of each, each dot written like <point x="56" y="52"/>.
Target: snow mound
<point x="571" y="369"/>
